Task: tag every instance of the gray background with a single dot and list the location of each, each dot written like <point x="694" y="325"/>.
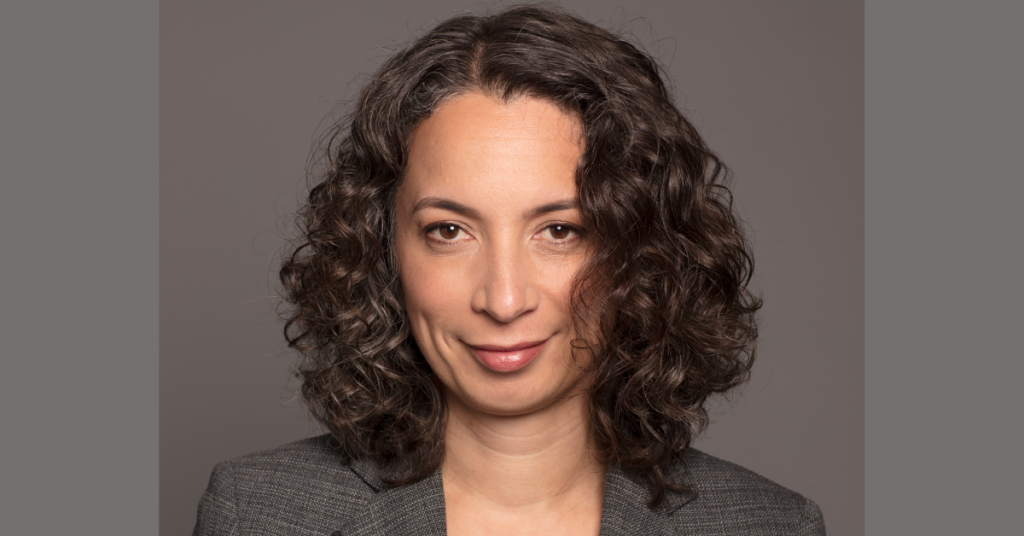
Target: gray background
<point x="777" y="91"/>
<point x="78" y="267"/>
<point x="78" y="217"/>
<point x="945" y="182"/>
<point x="79" y="225"/>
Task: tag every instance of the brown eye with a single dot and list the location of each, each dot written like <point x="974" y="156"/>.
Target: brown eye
<point x="560" y="232"/>
<point x="448" y="232"/>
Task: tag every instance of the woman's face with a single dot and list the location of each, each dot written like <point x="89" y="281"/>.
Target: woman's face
<point x="488" y="240"/>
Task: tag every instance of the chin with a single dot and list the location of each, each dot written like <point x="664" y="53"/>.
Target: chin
<point x="515" y="395"/>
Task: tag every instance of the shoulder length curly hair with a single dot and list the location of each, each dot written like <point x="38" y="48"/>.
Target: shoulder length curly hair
<point x="674" y="322"/>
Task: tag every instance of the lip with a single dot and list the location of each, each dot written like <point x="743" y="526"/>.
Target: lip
<point x="507" y="358"/>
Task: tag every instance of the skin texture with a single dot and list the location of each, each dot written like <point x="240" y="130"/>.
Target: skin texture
<point x="488" y="243"/>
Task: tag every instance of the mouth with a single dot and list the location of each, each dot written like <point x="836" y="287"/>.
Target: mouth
<point x="507" y="358"/>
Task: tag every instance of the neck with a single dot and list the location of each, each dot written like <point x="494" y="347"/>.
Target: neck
<point x="535" y="462"/>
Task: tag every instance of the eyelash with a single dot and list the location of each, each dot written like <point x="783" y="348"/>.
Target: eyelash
<point x="577" y="232"/>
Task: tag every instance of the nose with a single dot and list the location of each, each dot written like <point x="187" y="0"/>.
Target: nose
<point x="504" y="289"/>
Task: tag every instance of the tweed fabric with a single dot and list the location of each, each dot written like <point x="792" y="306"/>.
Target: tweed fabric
<point x="303" y="488"/>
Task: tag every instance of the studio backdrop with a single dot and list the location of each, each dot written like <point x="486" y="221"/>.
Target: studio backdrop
<point x="776" y="88"/>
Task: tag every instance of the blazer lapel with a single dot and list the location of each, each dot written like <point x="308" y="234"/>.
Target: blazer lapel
<point x="416" y="508"/>
<point x="625" y="510"/>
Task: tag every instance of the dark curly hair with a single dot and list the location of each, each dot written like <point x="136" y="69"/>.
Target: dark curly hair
<point x="673" y="321"/>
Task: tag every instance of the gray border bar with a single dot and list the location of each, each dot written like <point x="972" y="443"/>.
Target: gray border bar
<point x="78" y="206"/>
<point x="943" y="262"/>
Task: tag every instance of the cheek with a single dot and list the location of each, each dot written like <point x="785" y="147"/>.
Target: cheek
<point x="586" y="325"/>
<point x="431" y="291"/>
<point x="427" y="297"/>
<point x="557" y="279"/>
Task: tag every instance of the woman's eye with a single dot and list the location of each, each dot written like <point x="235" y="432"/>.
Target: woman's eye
<point x="560" y="232"/>
<point x="446" y="231"/>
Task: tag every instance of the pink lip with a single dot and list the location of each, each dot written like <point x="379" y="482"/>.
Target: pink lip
<point x="507" y="358"/>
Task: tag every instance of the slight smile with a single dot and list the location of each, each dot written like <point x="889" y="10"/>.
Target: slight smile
<point x="507" y="358"/>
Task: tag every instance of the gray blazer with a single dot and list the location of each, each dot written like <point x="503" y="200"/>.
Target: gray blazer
<point x="303" y="489"/>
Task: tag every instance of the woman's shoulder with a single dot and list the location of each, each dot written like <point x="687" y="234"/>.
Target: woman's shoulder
<point x="304" y="484"/>
<point x="314" y="457"/>
<point x="730" y="496"/>
<point x="308" y="487"/>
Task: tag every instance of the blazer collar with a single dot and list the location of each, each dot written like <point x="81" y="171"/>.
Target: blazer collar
<point x="625" y="509"/>
<point x="418" y="508"/>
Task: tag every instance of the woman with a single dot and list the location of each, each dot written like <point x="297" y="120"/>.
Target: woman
<point x="520" y="281"/>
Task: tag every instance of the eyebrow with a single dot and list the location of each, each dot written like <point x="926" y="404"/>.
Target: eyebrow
<point x="567" y="204"/>
<point x="459" y="208"/>
<point x="445" y="204"/>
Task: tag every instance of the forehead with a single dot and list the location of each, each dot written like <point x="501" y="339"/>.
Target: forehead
<point x="477" y="147"/>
